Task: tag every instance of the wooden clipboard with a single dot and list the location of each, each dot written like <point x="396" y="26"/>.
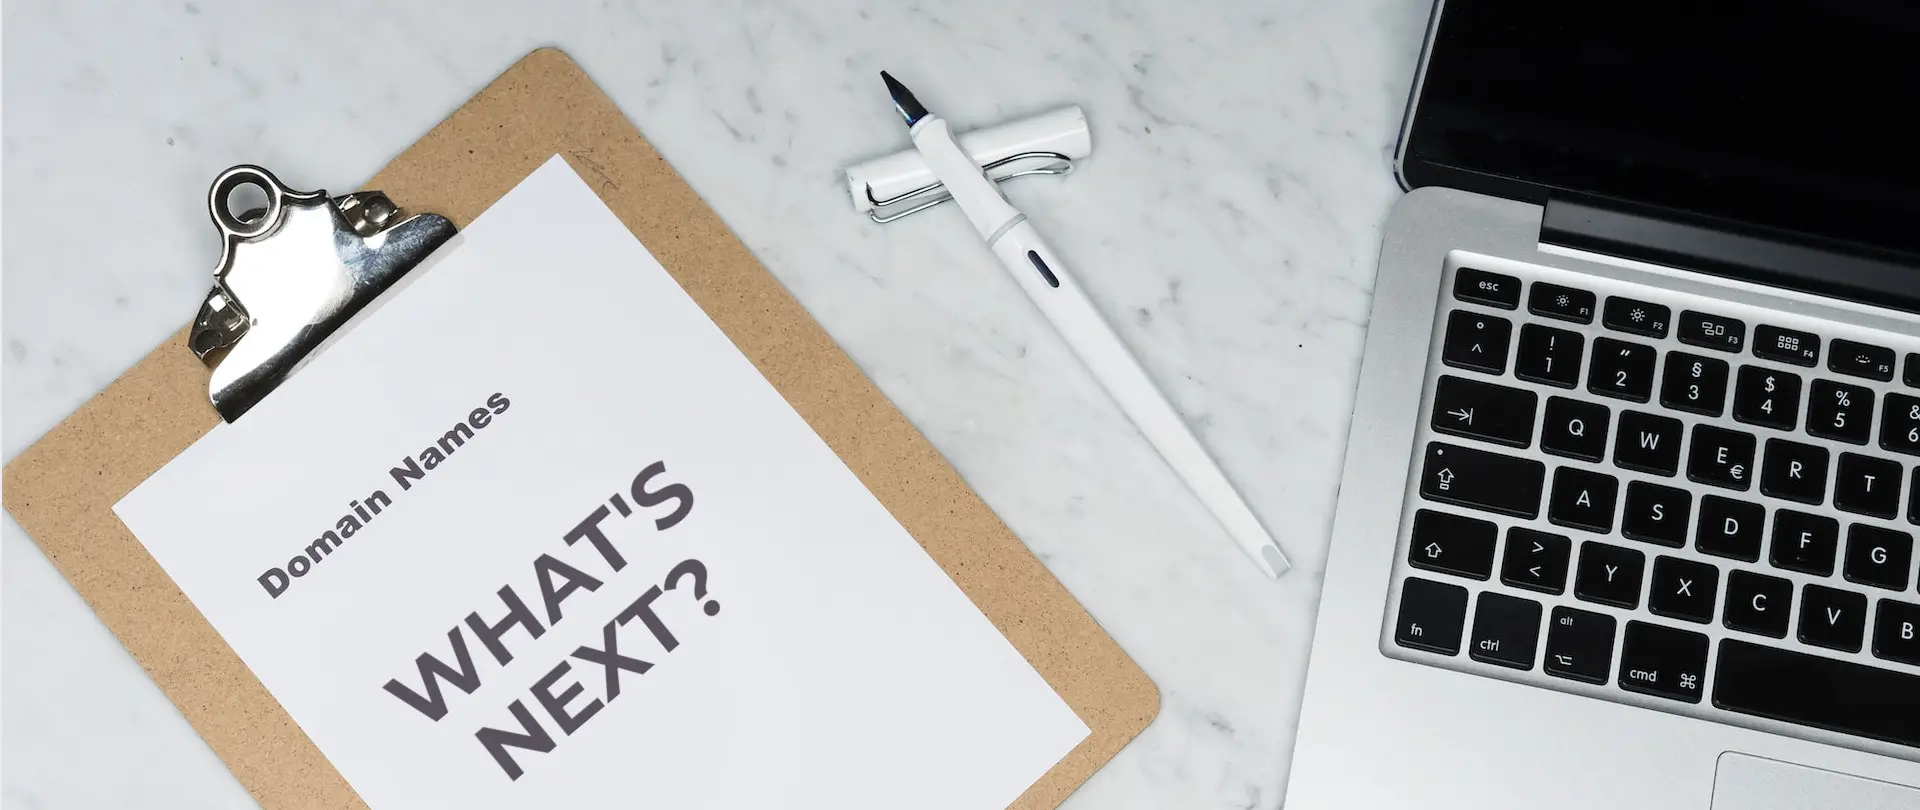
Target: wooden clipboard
<point x="62" y="489"/>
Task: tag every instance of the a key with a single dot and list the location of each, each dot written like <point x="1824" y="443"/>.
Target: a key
<point x="1464" y="476"/>
<point x="1757" y="603"/>
<point x="1729" y="528"/>
<point x="1656" y="514"/>
<point x="1609" y="575"/>
<point x="1786" y="345"/>
<point x="1839" y="411"/>
<point x="1803" y="542"/>
<point x="1900" y="423"/>
<point x="1636" y="317"/>
<point x="1712" y="331"/>
<point x="1879" y="557"/>
<point x="1452" y="544"/>
<point x="1579" y="645"/>
<point x="1868" y="486"/>
<point x="1583" y="499"/>
<point x="1896" y="633"/>
<point x="1575" y="429"/>
<point x="1506" y="630"/>
<point x="1794" y="471"/>
<point x="1664" y="662"/>
<point x="1621" y="369"/>
<point x="1832" y="618"/>
<point x="1550" y="356"/>
<point x="1476" y="342"/>
<point x="1481" y="410"/>
<point x="1860" y="360"/>
<point x="1432" y="616"/>
<point x="1648" y="443"/>
<point x="1683" y="589"/>
<point x="1817" y="691"/>
<point x="1564" y="303"/>
<point x="1723" y="458"/>
<point x="1482" y="287"/>
<point x="1694" y="384"/>
<point x="1768" y="398"/>
<point x="1536" y="560"/>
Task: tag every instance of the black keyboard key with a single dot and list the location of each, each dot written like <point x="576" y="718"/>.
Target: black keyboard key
<point x="1583" y="499"/>
<point x="1476" y="342"/>
<point x="1768" y="398"/>
<point x="1550" y="356"/>
<point x="1867" y="485"/>
<point x="1663" y="662"/>
<point x="1879" y="557"/>
<point x="1812" y="690"/>
<point x="1729" y="528"/>
<point x="1452" y="544"/>
<point x="1609" y="575"/>
<point x="1620" y="369"/>
<point x="1723" y="458"/>
<point x="1564" y="303"/>
<point x="1656" y="514"/>
<point x="1467" y="477"/>
<point x="1636" y="317"/>
<point x="1757" y="603"/>
<point x="1536" y="560"/>
<point x="1683" y="589"/>
<point x="1913" y="498"/>
<point x="1839" y="411"/>
<point x="1794" y="471"/>
<point x="1712" y="331"/>
<point x="1896" y="633"/>
<point x="1694" y="384"/>
<point x="1803" y="542"/>
<point x="1648" y="443"/>
<point x="1574" y="428"/>
<point x="1491" y="289"/>
<point x="1786" y="345"/>
<point x="1432" y="616"/>
<point x="1480" y="410"/>
<point x="1860" y="360"/>
<point x="1506" y="630"/>
<point x="1579" y="645"/>
<point x="1910" y="371"/>
<point x="1900" y="424"/>
<point x="1832" y="618"/>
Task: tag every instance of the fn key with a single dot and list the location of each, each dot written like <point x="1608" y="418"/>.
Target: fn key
<point x="1432" y="615"/>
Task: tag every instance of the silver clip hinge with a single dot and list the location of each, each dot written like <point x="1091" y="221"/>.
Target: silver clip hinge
<point x="1024" y="164"/>
<point x="291" y="273"/>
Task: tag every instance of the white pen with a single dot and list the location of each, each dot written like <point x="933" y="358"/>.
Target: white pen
<point x="1012" y="238"/>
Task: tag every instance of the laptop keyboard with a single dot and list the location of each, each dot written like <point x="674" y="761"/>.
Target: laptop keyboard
<point x="1660" y="499"/>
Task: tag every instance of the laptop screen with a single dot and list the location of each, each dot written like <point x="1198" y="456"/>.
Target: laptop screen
<point x="1791" y="114"/>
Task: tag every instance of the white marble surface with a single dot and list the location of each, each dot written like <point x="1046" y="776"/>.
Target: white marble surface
<point x="1228" y="223"/>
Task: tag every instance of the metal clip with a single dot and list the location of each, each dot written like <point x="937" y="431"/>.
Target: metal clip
<point x="291" y="274"/>
<point x="932" y="194"/>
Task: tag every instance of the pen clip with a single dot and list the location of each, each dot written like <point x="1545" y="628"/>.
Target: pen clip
<point x="932" y="194"/>
<point x="291" y="273"/>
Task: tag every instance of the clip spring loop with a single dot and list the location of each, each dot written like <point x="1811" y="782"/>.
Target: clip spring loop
<point x="930" y="195"/>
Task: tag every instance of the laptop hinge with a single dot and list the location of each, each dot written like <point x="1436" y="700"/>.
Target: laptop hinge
<point x="1732" y="250"/>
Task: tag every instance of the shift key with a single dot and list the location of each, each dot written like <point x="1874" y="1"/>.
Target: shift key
<point x="1464" y="476"/>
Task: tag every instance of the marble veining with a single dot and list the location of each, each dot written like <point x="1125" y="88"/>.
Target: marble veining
<point x="1227" y="223"/>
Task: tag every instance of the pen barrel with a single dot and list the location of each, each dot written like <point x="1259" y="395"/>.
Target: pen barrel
<point x="1053" y="289"/>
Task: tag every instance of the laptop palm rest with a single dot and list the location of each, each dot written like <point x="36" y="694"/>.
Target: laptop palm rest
<point x="1751" y="783"/>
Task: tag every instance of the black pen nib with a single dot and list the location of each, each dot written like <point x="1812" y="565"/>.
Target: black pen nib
<point x="903" y="100"/>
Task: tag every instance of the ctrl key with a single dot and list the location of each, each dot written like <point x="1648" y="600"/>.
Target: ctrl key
<point x="1432" y="615"/>
<point x="1663" y="662"/>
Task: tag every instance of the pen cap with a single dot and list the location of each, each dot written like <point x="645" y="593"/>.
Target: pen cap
<point x="1062" y="132"/>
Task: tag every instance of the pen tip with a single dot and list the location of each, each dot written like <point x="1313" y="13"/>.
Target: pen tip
<point x="903" y="100"/>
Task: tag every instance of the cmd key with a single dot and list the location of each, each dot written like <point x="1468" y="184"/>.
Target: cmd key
<point x="1464" y="476"/>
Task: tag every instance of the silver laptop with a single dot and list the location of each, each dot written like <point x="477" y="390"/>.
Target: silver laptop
<point x="1633" y="482"/>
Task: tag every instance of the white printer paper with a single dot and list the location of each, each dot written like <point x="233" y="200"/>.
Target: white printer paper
<point x="535" y="534"/>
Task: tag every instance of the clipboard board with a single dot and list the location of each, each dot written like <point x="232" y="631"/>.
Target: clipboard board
<point x="62" y="489"/>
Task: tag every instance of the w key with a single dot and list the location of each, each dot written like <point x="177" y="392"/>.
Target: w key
<point x="1485" y="411"/>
